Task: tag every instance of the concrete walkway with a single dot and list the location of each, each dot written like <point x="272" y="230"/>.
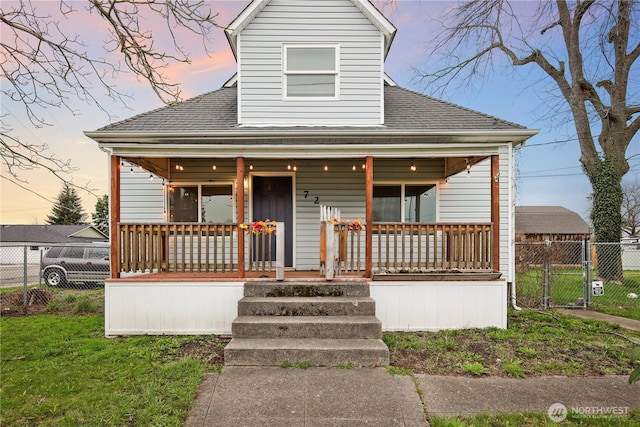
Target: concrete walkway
<point x="450" y="396"/>
<point x="263" y="396"/>
<point x="272" y="396"/>
<point x="259" y="396"/>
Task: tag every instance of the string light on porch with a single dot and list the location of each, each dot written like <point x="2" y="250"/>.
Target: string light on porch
<point x="179" y="167"/>
<point x="468" y="166"/>
<point x="214" y="167"/>
<point x="413" y="167"/>
<point x="326" y="168"/>
<point x="292" y="167"/>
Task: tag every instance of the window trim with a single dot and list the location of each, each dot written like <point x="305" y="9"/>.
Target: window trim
<point x="201" y="184"/>
<point x="402" y="185"/>
<point x="335" y="72"/>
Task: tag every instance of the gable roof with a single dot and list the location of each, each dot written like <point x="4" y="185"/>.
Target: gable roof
<point x="549" y="220"/>
<point x="19" y="233"/>
<point x="216" y="112"/>
<point x="255" y="7"/>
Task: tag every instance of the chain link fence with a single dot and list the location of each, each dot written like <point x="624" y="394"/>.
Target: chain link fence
<point x="53" y="279"/>
<point x="550" y="274"/>
<point x="576" y="274"/>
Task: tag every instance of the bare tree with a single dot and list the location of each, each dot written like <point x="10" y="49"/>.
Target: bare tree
<point x="47" y="65"/>
<point x="586" y="50"/>
<point x="631" y="207"/>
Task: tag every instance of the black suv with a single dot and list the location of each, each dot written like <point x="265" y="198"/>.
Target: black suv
<point x="75" y="263"/>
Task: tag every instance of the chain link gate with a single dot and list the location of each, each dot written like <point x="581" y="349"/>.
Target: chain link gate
<point x="553" y="274"/>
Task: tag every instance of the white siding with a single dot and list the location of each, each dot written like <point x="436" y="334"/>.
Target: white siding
<point x="312" y="21"/>
<point x="141" y="199"/>
<point x="339" y="187"/>
<point x="467" y="198"/>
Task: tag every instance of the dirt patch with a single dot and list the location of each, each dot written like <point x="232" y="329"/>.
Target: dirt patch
<point x="12" y="303"/>
<point x="209" y="350"/>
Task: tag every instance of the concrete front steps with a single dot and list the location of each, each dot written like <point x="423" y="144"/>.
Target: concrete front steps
<point x="324" y="324"/>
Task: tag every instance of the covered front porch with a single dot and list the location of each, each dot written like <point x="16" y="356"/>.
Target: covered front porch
<point x="358" y="246"/>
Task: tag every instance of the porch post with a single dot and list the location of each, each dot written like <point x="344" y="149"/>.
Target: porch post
<point x="368" y="232"/>
<point x="495" y="210"/>
<point x="240" y="213"/>
<point x="114" y="214"/>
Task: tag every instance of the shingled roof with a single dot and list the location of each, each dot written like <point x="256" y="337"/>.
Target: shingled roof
<point x="25" y="234"/>
<point x="217" y="111"/>
<point x="549" y="220"/>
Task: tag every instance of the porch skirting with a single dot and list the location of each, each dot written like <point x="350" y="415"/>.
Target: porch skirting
<point x="436" y="305"/>
<point x="170" y="308"/>
<point x="209" y="307"/>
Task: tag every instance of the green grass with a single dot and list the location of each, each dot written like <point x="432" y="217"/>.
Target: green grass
<point x="303" y="365"/>
<point x="535" y="343"/>
<point x="394" y="370"/>
<point x="61" y="370"/>
<point x="566" y="289"/>
<point x="474" y="368"/>
<point x="530" y="419"/>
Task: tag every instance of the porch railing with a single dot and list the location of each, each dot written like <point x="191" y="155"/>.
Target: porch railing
<point x="406" y="247"/>
<point x="196" y="247"/>
<point x="177" y="247"/>
<point x="396" y="247"/>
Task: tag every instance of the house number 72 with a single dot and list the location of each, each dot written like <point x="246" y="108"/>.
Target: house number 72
<point x="316" y="199"/>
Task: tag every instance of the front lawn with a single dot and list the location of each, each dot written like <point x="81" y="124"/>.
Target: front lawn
<point x="535" y="343"/>
<point x="61" y="370"/>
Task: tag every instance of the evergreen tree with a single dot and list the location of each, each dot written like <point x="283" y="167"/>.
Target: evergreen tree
<point x="101" y="216"/>
<point x="68" y="208"/>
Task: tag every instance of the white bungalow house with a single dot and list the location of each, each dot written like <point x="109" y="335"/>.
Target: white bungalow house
<point x="310" y="120"/>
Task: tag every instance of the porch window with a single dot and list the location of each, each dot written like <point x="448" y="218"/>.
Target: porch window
<point x="404" y="203"/>
<point x="311" y="71"/>
<point x="201" y="203"/>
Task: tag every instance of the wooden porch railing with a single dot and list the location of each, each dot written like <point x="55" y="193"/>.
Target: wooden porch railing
<point x="407" y="247"/>
<point x="194" y="247"/>
<point x="175" y="247"/>
<point x="397" y="247"/>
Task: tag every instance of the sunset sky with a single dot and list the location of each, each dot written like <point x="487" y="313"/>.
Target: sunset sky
<point x="548" y="173"/>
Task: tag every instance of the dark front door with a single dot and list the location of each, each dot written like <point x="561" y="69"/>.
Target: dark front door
<point x="273" y="199"/>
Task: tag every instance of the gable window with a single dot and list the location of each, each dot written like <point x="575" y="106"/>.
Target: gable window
<point x="404" y="203"/>
<point x="311" y="71"/>
<point x="201" y="203"/>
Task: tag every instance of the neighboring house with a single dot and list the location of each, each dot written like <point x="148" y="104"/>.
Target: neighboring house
<point x="633" y="239"/>
<point x="36" y="238"/>
<point x="555" y="223"/>
<point x="310" y="119"/>
<point x="565" y="228"/>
